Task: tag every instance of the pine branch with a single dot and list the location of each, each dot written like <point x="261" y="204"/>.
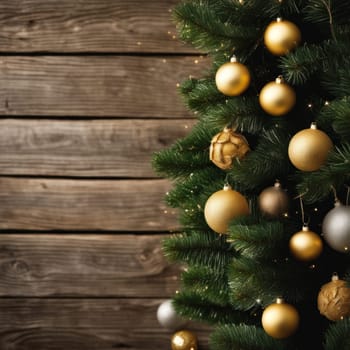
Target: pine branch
<point x="317" y="186"/>
<point x="198" y="307"/>
<point x="217" y="110"/>
<point x="335" y="117"/>
<point x="193" y="191"/>
<point x="299" y="66"/>
<point x="253" y="282"/>
<point x="203" y="249"/>
<point x="200" y="24"/>
<point x="337" y="83"/>
<point x="264" y="164"/>
<point x="246" y="337"/>
<point x="211" y="283"/>
<point x="327" y="11"/>
<point x="259" y="239"/>
<point x="337" y="335"/>
<point x="186" y="156"/>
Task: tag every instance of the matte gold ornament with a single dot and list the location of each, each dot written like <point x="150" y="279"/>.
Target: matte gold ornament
<point x="277" y="98"/>
<point x="232" y="78"/>
<point x="225" y="146"/>
<point x="306" y="245"/>
<point x="333" y="300"/>
<point x="273" y="201"/>
<point x="281" y="37"/>
<point x="223" y="206"/>
<point x="184" y="340"/>
<point x="309" y="148"/>
<point x="280" y="320"/>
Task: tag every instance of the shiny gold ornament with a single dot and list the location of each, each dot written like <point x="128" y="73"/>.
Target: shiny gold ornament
<point x="227" y="145"/>
<point x="277" y="97"/>
<point x="273" y="201"/>
<point x="184" y="340"/>
<point x="280" y="320"/>
<point x="306" y="245"/>
<point x="281" y="37"/>
<point x="232" y="78"/>
<point x="333" y="300"/>
<point x="223" y="206"/>
<point x="309" y="148"/>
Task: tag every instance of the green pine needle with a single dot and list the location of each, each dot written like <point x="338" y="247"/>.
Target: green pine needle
<point x="245" y="337"/>
<point x="337" y="335"/>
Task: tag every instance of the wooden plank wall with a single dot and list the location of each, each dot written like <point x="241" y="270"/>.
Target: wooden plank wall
<point x="87" y="94"/>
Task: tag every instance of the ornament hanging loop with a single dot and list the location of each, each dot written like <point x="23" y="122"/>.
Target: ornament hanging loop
<point x="305" y="223"/>
<point x="347" y="195"/>
<point x="336" y="199"/>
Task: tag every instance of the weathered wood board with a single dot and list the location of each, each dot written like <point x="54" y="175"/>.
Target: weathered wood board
<point x="95" y="86"/>
<point x="85" y="148"/>
<point x="93" y="324"/>
<point x="104" y="26"/>
<point x="85" y="205"/>
<point x="86" y="265"/>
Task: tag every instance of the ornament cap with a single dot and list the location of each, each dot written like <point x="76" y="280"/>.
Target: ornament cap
<point x="233" y="59"/>
<point x="277" y="184"/>
<point x="335" y="277"/>
<point x="279" y="19"/>
<point x="227" y="187"/>
<point x="313" y="126"/>
<point x="337" y="203"/>
<point x="279" y="80"/>
<point x="305" y="228"/>
<point x="279" y="300"/>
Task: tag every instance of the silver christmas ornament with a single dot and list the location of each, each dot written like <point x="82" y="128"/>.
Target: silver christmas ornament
<point x="168" y="318"/>
<point x="336" y="228"/>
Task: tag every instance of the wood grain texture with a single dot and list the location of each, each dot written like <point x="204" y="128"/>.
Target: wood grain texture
<point x="95" y="86"/>
<point x="88" y="26"/>
<point x="60" y="204"/>
<point x="129" y="265"/>
<point x="85" y="148"/>
<point x="90" y="324"/>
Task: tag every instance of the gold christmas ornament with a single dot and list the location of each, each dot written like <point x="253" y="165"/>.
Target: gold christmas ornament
<point x="333" y="300"/>
<point x="232" y="78"/>
<point x="306" y="245"/>
<point x="277" y="97"/>
<point x="273" y="201"/>
<point x="309" y="148"/>
<point x="225" y="146"/>
<point x="280" y="320"/>
<point x="223" y="206"/>
<point x="281" y="37"/>
<point x="184" y="340"/>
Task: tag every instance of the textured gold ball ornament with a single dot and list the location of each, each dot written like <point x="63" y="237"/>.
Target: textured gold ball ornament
<point x="227" y="145"/>
<point x="309" y="148"/>
<point x="223" y="206"/>
<point x="306" y="245"/>
<point x="277" y="98"/>
<point x="273" y="201"/>
<point x="281" y="37"/>
<point x="333" y="300"/>
<point x="232" y="78"/>
<point x="280" y="320"/>
<point x="184" y="340"/>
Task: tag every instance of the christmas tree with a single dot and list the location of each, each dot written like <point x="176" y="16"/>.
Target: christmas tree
<point x="261" y="182"/>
